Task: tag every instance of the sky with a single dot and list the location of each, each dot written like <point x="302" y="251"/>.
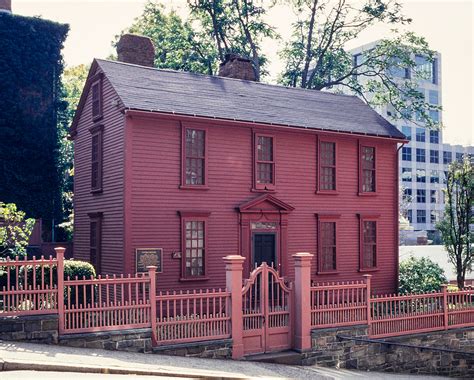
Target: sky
<point x="446" y="24"/>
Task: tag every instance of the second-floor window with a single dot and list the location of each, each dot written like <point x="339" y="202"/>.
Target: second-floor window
<point x="367" y="165"/>
<point x="194" y="162"/>
<point x="327" y="166"/>
<point x="264" y="162"/>
<point x="96" y="159"/>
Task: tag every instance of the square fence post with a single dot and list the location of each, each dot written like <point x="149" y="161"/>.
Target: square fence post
<point x="152" y="276"/>
<point x="60" y="284"/>
<point x="233" y="272"/>
<point x="302" y="301"/>
<point x="444" y="290"/>
<point x="368" y="283"/>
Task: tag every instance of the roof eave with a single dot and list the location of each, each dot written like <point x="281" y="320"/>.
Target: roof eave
<point x="177" y="115"/>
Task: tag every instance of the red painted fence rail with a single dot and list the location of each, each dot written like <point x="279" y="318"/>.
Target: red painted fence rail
<point x="28" y="287"/>
<point x="347" y="303"/>
<point x="192" y="316"/>
<point x="37" y="286"/>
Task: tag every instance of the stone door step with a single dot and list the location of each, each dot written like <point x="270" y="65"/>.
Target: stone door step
<point x="284" y="357"/>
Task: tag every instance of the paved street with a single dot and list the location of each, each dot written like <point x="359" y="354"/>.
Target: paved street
<point x="21" y="360"/>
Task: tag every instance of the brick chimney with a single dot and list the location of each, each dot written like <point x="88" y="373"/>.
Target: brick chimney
<point x="237" y="67"/>
<point x="6" y="6"/>
<point x="136" y="49"/>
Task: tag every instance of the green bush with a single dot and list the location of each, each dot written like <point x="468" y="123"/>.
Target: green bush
<point x="418" y="275"/>
<point x="72" y="268"/>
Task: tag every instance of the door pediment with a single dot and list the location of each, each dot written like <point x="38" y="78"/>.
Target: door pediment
<point x="265" y="203"/>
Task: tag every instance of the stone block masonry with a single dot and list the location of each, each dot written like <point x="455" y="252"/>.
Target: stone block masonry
<point x="455" y="356"/>
<point x="136" y="340"/>
<point x="213" y="349"/>
<point x="34" y="328"/>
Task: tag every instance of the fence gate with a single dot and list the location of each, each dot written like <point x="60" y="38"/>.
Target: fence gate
<point x="267" y="316"/>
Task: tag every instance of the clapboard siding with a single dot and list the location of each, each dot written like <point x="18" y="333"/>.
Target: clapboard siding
<point x="110" y="200"/>
<point x="154" y="198"/>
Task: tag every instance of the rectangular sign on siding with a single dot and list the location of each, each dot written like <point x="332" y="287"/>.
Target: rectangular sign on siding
<point x="145" y="257"/>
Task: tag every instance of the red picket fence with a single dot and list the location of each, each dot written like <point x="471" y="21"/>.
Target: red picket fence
<point x="103" y="304"/>
<point x="338" y="304"/>
<point x="28" y="286"/>
<point x="347" y="303"/>
<point x="393" y="315"/>
<point x="192" y="316"/>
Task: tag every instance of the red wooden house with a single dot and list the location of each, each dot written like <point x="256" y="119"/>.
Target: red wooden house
<point x="198" y="167"/>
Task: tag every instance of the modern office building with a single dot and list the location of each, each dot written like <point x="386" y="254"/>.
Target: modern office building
<point x="423" y="162"/>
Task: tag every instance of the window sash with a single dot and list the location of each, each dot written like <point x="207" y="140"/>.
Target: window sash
<point x="327" y="166"/>
<point x="96" y="161"/>
<point x="368" y="169"/>
<point x="368" y="246"/>
<point x="95" y="243"/>
<point x="264" y="161"/>
<point x="194" y="247"/>
<point x="96" y="90"/>
<point x="195" y="151"/>
<point x="327" y="246"/>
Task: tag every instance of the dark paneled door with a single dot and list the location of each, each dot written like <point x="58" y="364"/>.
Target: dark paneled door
<point x="264" y="249"/>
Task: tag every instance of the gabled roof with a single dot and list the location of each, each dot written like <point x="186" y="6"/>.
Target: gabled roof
<point x="182" y="93"/>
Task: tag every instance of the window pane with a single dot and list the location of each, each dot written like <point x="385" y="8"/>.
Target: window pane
<point x="369" y="247"/>
<point x="195" y="248"/>
<point x="195" y="156"/>
<point x="434" y="137"/>
<point x="406" y="175"/>
<point x="407" y="131"/>
<point x="328" y="153"/>
<point x="264" y="148"/>
<point x="420" y="134"/>
<point x="328" y="246"/>
<point x="264" y="173"/>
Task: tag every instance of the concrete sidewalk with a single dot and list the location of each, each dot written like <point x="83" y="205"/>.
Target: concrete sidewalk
<point x="37" y="357"/>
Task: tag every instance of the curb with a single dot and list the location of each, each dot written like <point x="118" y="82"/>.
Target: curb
<point x="10" y="365"/>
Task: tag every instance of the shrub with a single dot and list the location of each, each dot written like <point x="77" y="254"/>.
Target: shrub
<point x="418" y="275"/>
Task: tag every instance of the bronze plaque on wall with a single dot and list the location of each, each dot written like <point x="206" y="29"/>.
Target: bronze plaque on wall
<point x="145" y="257"/>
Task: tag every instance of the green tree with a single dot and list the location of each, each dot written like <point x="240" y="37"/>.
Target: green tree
<point x="178" y="45"/>
<point x="72" y="83"/>
<point x="316" y="56"/>
<point x="458" y="216"/>
<point x="418" y="275"/>
<point x="237" y="26"/>
<point x="30" y="68"/>
<point x="15" y="231"/>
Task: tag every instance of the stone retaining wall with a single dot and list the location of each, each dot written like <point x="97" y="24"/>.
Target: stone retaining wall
<point x="136" y="340"/>
<point x="34" y="328"/>
<point x="328" y="349"/>
<point x="216" y="349"/>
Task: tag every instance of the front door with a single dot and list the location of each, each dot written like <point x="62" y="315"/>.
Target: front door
<point x="264" y="249"/>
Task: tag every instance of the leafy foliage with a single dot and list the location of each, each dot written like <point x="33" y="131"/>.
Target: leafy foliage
<point x="316" y="58"/>
<point x="178" y="46"/>
<point x="30" y="69"/>
<point x="458" y="216"/>
<point x="418" y="275"/>
<point x="73" y="80"/>
<point x="15" y="231"/>
<point x="236" y="26"/>
<point x="216" y="27"/>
